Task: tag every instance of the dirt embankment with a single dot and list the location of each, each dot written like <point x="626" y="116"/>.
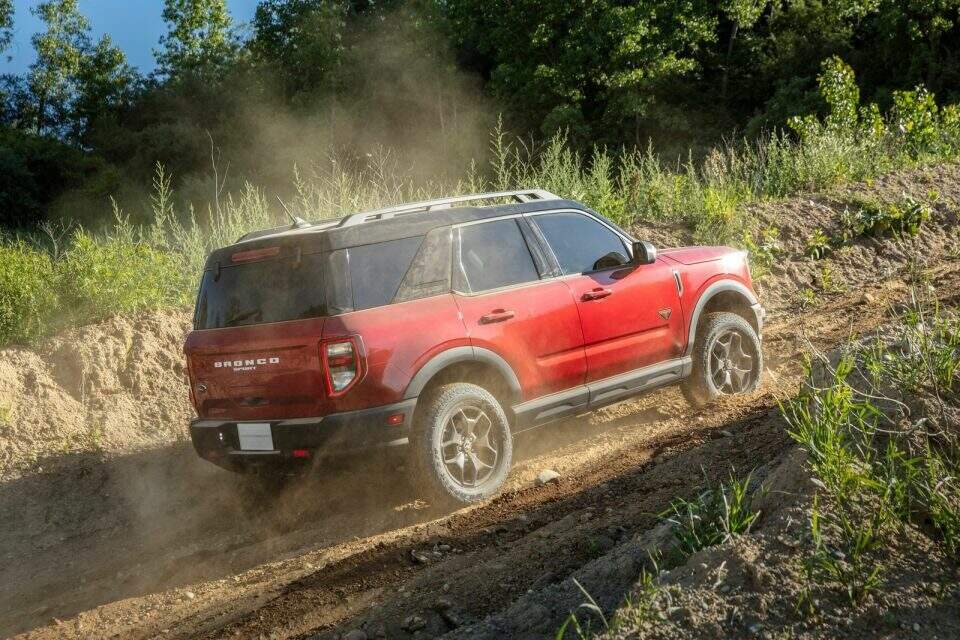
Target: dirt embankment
<point x="114" y="387"/>
<point x="136" y="537"/>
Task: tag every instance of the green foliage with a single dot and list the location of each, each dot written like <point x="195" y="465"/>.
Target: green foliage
<point x="199" y="41"/>
<point x="877" y="219"/>
<point x="59" y="52"/>
<point x="118" y="273"/>
<point x="73" y="82"/>
<point x="764" y="250"/>
<point x="581" y="67"/>
<point x="715" y="516"/>
<point x="927" y="360"/>
<point x="90" y="278"/>
<point x="873" y="219"/>
<point x="6" y="24"/>
<point x="916" y="118"/>
<point x="818" y="245"/>
<point x="302" y="41"/>
<point x="873" y="481"/>
<point x="27" y="292"/>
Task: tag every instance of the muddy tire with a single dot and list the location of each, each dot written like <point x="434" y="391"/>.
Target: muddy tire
<point x="462" y="445"/>
<point x="727" y="359"/>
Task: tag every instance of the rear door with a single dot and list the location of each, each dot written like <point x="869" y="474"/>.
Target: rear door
<point x="513" y="306"/>
<point x="630" y="315"/>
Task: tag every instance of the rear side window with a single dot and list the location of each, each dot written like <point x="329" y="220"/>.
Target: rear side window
<point x="261" y="292"/>
<point x="493" y="255"/>
<point x="376" y="270"/>
<point x="580" y="243"/>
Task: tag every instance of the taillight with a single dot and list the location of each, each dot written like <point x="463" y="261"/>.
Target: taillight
<point x="341" y="364"/>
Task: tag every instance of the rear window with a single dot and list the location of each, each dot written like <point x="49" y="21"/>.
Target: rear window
<point x="261" y="292"/>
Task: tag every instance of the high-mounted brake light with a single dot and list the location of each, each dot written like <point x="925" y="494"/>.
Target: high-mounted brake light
<point x="341" y="364"/>
<point x="255" y="254"/>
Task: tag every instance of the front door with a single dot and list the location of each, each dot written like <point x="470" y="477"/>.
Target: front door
<point x="630" y="314"/>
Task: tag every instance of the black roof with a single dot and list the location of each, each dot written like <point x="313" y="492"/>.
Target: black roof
<point x="327" y="236"/>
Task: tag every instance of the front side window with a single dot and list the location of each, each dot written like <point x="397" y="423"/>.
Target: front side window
<point x="580" y="243"/>
<point x="493" y="255"/>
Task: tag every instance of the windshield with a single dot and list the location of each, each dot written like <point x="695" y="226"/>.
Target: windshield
<point x="261" y="292"/>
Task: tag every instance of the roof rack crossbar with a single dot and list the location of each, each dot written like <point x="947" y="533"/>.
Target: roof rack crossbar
<point x="527" y="195"/>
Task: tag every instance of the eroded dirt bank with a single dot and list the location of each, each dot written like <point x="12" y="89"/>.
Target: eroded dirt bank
<point x="146" y="540"/>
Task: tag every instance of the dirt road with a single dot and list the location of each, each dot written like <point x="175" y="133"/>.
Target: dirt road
<point x="166" y="546"/>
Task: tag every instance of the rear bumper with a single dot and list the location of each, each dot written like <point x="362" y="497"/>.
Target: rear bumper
<point x="337" y="433"/>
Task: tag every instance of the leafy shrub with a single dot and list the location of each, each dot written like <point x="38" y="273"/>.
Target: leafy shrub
<point x="28" y="293"/>
<point x="915" y="118"/>
<point x="120" y="274"/>
<point x="818" y="245"/>
<point x="873" y="481"/>
<point x="877" y="219"/>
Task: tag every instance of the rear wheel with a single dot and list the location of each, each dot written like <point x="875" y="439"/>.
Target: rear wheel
<point x="462" y="445"/>
<point x="727" y="359"/>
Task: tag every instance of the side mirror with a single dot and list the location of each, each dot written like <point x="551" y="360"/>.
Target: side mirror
<point x="644" y="252"/>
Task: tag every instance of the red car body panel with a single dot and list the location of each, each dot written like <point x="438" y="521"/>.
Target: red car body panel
<point x="636" y="320"/>
<point x="240" y="381"/>
<point x="554" y="339"/>
<point x="542" y="341"/>
<point x="397" y="341"/>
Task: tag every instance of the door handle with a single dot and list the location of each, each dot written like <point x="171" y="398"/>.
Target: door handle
<point x="597" y="294"/>
<point x="497" y="315"/>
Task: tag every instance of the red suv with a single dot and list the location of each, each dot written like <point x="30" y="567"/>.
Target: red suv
<point x="447" y="330"/>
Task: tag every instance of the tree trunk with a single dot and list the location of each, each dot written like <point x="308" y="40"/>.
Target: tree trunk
<point x="726" y="68"/>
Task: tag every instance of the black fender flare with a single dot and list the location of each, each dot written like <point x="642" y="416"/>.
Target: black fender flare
<point x="463" y="354"/>
<point x="719" y="286"/>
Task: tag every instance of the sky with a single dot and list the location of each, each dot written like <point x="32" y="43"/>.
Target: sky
<point x="134" y="25"/>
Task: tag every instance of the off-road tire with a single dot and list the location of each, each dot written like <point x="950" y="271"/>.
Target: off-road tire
<point x="430" y="473"/>
<point x="699" y="388"/>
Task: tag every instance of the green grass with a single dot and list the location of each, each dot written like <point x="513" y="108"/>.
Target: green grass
<point x="878" y="471"/>
<point x="715" y="516"/>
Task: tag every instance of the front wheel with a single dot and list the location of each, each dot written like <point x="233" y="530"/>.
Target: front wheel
<point x="727" y="359"/>
<point x="462" y="445"/>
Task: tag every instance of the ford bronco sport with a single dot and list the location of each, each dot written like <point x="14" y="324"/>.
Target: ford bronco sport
<point x="449" y="329"/>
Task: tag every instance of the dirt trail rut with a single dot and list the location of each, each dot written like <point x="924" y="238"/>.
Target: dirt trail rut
<point x="170" y="548"/>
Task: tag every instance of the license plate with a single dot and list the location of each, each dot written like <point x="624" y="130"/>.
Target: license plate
<point x="255" y="436"/>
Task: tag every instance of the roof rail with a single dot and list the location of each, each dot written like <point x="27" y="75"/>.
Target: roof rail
<point x="526" y="195"/>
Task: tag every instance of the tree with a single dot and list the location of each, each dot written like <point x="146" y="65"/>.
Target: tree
<point x="59" y="50"/>
<point x="742" y="14"/>
<point x="580" y="65"/>
<point x="6" y="24"/>
<point x="104" y="87"/>
<point x="73" y="82"/>
<point x="301" y="41"/>
<point x="200" y="39"/>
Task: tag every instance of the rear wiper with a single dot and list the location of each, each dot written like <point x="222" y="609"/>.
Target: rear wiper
<point x="232" y="322"/>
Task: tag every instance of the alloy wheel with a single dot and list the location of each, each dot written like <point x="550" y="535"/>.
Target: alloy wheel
<point x="469" y="446"/>
<point x="731" y="366"/>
